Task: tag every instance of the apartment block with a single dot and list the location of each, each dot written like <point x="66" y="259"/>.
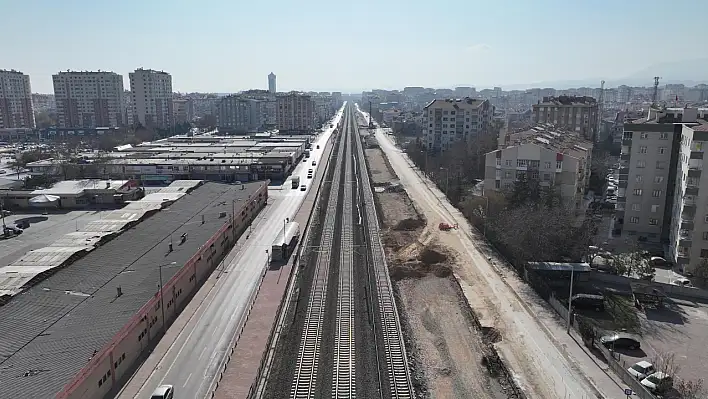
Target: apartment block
<point x="576" y="113"/>
<point x="271" y="83"/>
<point x="15" y="100"/>
<point x="269" y="104"/>
<point x="151" y="98"/>
<point x="660" y="199"/>
<point x="183" y="110"/>
<point x="89" y="99"/>
<point x="237" y="114"/>
<point x="295" y="113"/>
<point x="552" y="156"/>
<point x="451" y="121"/>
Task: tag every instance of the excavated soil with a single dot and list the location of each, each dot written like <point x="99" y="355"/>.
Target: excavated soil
<point x="450" y="355"/>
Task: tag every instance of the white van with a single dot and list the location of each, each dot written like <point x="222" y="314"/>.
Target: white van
<point x="163" y="392"/>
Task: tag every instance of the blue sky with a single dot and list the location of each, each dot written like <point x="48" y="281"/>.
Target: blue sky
<point x="227" y="46"/>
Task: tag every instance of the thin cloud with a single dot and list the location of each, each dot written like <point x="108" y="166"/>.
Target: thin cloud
<point x="478" y="48"/>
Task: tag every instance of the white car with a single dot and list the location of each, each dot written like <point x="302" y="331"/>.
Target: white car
<point x="658" y="381"/>
<point x="641" y="370"/>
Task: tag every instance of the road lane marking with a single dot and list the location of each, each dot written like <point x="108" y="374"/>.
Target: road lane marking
<point x="202" y="354"/>
<point x="187" y="380"/>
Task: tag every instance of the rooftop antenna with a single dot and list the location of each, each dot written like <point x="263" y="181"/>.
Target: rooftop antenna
<point x="656" y="91"/>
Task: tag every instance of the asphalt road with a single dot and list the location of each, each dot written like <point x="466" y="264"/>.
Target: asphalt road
<point x="196" y="356"/>
<point x="553" y="374"/>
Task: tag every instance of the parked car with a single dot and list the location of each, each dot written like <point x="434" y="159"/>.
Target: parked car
<point x="163" y="392"/>
<point x="658" y="382"/>
<point x="620" y="341"/>
<point x="641" y="370"/>
<point x="314" y="163"/>
<point x="683" y="282"/>
<point x="303" y="187"/>
<point x="318" y="146"/>
<point x="589" y="301"/>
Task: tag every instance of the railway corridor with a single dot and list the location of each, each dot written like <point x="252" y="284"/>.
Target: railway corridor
<point x="344" y="338"/>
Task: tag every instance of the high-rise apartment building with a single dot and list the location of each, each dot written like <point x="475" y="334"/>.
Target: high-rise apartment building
<point x="575" y="113"/>
<point x="552" y="156"/>
<point x="295" y="113"/>
<point x="89" y="99"/>
<point x="15" y="100"/>
<point x="662" y="196"/>
<point x="271" y="83"/>
<point x="447" y="122"/>
<point x="151" y="98"/>
<point x="238" y="114"/>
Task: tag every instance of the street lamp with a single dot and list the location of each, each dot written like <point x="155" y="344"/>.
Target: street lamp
<point x="162" y="302"/>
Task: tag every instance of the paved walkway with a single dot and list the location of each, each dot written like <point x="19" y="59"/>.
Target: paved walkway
<point x="245" y="362"/>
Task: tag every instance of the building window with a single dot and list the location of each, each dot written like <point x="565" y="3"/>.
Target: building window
<point x="521" y="163"/>
<point x="662" y="150"/>
<point x="704" y="253"/>
<point x="658" y="179"/>
<point x="705" y="236"/>
<point x="636" y="207"/>
<point x="637" y="191"/>
<point x="655" y="208"/>
<point x="656" y="193"/>
<point x="638" y="178"/>
<point x="546" y="177"/>
<point x="498" y="162"/>
<point x="559" y="164"/>
<point x="641" y="163"/>
<point x="643" y="149"/>
<point x="547" y="165"/>
<point x="653" y="221"/>
<point x="507" y="174"/>
<point x="643" y="135"/>
<point x="627" y="136"/>
<point x="507" y="162"/>
<point x="661" y="164"/>
<point x="634" y="219"/>
<point x="664" y="136"/>
<point x="534" y="174"/>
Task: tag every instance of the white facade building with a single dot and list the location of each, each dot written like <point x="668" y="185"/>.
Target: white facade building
<point x="151" y="93"/>
<point x="89" y="99"/>
<point x="15" y="100"/>
<point x="446" y="122"/>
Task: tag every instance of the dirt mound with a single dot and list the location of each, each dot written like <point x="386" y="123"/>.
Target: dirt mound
<point x="430" y="256"/>
<point x="409" y="224"/>
<point x="417" y="269"/>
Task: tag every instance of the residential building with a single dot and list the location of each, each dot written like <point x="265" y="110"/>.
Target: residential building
<point x="271" y="83"/>
<point x="183" y="110"/>
<point x="548" y="154"/>
<point x="89" y="99"/>
<point x="238" y="114"/>
<point x="15" y="100"/>
<point x="660" y="199"/>
<point x="269" y="105"/>
<point x="446" y="122"/>
<point x="151" y="98"/>
<point x="295" y="113"/>
<point x="575" y="113"/>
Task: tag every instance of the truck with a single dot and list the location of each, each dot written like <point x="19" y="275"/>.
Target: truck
<point x="307" y="153"/>
<point x="296" y="182"/>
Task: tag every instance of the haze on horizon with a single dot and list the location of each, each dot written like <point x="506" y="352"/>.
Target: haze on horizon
<point x="223" y="46"/>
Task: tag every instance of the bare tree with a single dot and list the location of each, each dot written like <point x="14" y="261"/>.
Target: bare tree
<point x="690" y="389"/>
<point x="701" y="271"/>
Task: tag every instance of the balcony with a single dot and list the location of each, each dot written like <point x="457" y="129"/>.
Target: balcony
<point x="694" y="173"/>
<point x="695" y="164"/>
<point x="696" y="155"/>
<point x="691" y="190"/>
<point x="685" y="238"/>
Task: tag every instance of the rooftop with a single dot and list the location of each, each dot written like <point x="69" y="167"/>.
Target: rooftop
<point x="464" y="103"/>
<point x="79" y="186"/>
<point x="567" y="100"/>
<point x="53" y="328"/>
<point x="552" y="137"/>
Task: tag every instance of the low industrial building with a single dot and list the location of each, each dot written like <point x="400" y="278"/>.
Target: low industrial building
<point x="75" y="194"/>
<point x="79" y="332"/>
<point x="205" y="157"/>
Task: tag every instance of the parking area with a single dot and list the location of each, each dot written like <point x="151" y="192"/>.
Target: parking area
<point x="43" y="230"/>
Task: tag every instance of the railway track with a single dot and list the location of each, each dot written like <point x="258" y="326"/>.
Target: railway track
<point x="331" y="313"/>
<point x="306" y="370"/>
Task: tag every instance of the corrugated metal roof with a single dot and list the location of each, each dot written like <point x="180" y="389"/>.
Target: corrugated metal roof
<point x="57" y="253"/>
<point x="52" y="329"/>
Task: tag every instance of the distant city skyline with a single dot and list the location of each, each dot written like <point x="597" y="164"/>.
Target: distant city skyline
<point x="232" y="46"/>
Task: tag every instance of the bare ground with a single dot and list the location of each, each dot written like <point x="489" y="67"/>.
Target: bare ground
<point x="451" y="355"/>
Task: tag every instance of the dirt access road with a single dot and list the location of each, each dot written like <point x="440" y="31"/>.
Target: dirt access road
<point x="546" y="362"/>
<point x="446" y="349"/>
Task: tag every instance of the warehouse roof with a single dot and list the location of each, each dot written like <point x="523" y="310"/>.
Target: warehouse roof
<point x="53" y="328"/>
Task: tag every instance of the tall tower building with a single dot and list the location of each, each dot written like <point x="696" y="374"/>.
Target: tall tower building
<point x="15" y="100"/>
<point x="271" y="83"/>
<point x="151" y="98"/>
<point x="89" y="99"/>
